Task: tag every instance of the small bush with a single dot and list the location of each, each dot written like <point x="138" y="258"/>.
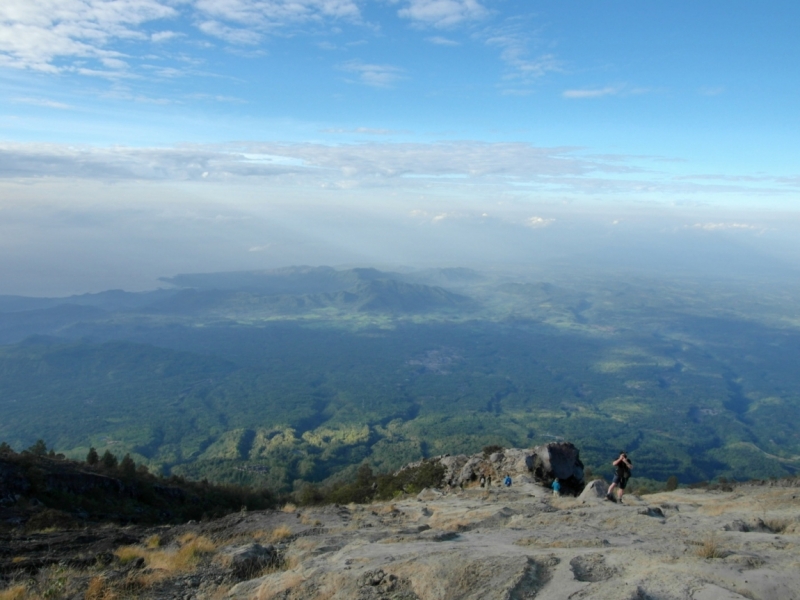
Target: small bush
<point x="672" y="484"/>
<point x="710" y="548"/>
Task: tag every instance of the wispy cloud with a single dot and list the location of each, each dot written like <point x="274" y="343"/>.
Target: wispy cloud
<point x="35" y="33"/>
<point x="232" y="35"/>
<point x="591" y="92"/>
<point x="383" y="76"/>
<point x="43" y="102"/>
<point x="609" y="90"/>
<point x="538" y="222"/>
<point x="728" y="227"/>
<point x="514" y="39"/>
<point x="56" y="35"/>
<point x="244" y="21"/>
<point x="517" y="169"/>
<point x="442" y="13"/>
<point x="442" y="41"/>
<point x="164" y="36"/>
<point x="711" y="91"/>
<point x="363" y="131"/>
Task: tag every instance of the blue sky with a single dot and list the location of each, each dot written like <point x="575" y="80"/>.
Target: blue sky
<point x="291" y="121"/>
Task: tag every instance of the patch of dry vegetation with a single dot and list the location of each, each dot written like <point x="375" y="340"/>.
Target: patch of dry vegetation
<point x="278" y="585"/>
<point x="710" y="548"/>
<point x="307" y="520"/>
<point x="190" y="550"/>
<point x="17" y="592"/>
<point x="99" y="589"/>
<point x="280" y="533"/>
<point x="780" y="525"/>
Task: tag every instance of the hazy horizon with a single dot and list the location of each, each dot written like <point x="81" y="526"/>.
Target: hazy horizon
<point x="145" y="138"/>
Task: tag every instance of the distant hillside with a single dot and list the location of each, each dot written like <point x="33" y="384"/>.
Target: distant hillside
<point x="363" y="295"/>
<point x="41" y="490"/>
<point x="286" y="281"/>
<point x="294" y="292"/>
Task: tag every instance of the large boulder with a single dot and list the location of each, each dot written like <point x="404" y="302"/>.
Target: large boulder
<point x="559" y="460"/>
<point x="595" y="490"/>
<point x="248" y="560"/>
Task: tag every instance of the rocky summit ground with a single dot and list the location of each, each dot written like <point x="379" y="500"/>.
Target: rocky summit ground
<point x="502" y="543"/>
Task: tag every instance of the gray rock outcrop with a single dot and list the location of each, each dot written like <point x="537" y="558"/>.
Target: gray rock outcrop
<point x="559" y="460"/>
<point x="541" y="464"/>
<point x="248" y="560"/>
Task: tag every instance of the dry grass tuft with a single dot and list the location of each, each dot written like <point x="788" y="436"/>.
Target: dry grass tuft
<point x="18" y="592"/>
<point x="306" y="520"/>
<point x="289" y="508"/>
<point x="276" y="586"/>
<point x="153" y="542"/>
<point x="127" y="554"/>
<point x="710" y="548"/>
<point x="565" y="502"/>
<point x="193" y="548"/>
<point x="305" y="544"/>
<point x="778" y="525"/>
<point x="190" y="551"/>
<point x="99" y="590"/>
<point x="280" y="533"/>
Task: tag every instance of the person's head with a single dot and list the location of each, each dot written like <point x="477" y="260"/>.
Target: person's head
<point x="623" y="454"/>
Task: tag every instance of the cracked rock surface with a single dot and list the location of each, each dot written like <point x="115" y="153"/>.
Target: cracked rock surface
<point x="473" y="544"/>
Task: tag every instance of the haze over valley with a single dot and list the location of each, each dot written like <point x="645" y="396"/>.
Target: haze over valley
<point x="276" y="377"/>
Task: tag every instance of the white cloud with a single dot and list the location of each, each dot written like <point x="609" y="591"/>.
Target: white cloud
<point x="257" y="16"/>
<point x="164" y="36"/>
<point x="43" y="102"/>
<point x="538" y="222"/>
<point x="517" y="169"/>
<point x="363" y="131"/>
<point x="514" y="40"/>
<point x="442" y="41"/>
<point x="591" y="93"/>
<point x="34" y="34"/>
<point x="374" y="75"/>
<point x="55" y="35"/>
<point x="232" y="35"/>
<point x="442" y="13"/>
<point x="728" y="227"/>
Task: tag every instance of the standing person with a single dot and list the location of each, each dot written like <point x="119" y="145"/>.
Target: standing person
<point x="622" y="472"/>
<point x="507" y="481"/>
